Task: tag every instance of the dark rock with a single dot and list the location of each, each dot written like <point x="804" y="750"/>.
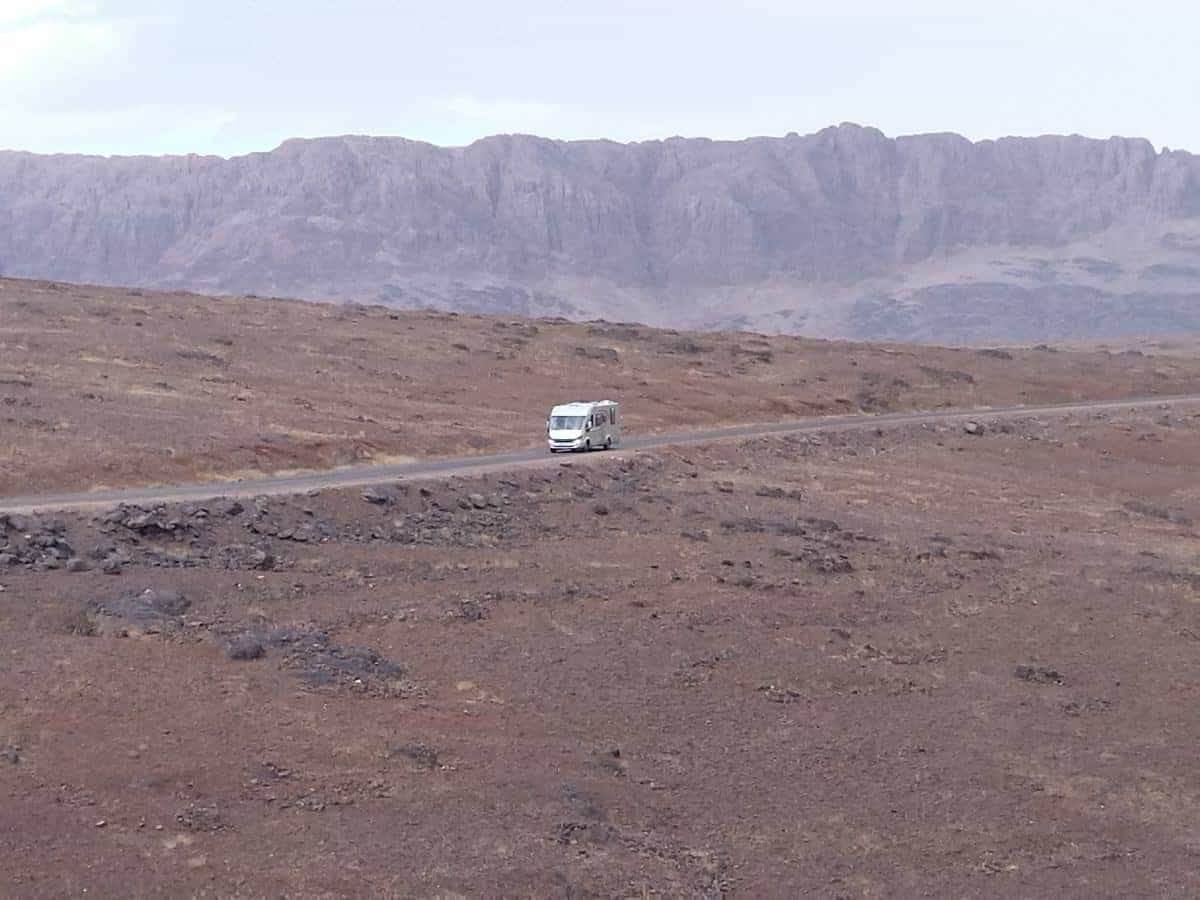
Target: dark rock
<point x="319" y="663"/>
<point x="585" y="833"/>
<point x="378" y="496"/>
<point x="1038" y="674"/>
<point x="304" y="534"/>
<point x="75" y="564"/>
<point x="419" y="752"/>
<point x="246" y="556"/>
<point x="229" y="508"/>
<point x="11" y="754"/>
<point x="471" y="611"/>
<point x="582" y="803"/>
<point x="75" y="620"/>
<point x="831" y="564"/>
<point x="479" y="501"/>
<point x="1154" y="511"/>
<point x="600" y="354"/>
<point x="1090" y="705"/>
<point x="152" y="609"/>
<point x="200" y="818"/>
<point x="608" y="760"/>
<point x="245" y="647"/>
<point x="111" y="566"/>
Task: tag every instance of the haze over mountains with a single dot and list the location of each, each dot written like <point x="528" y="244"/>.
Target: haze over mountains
<point x="845" y="232"/>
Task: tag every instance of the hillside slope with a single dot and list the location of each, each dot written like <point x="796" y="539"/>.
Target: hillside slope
<point x="845" y="232"/>
<point x="106" y="387"/>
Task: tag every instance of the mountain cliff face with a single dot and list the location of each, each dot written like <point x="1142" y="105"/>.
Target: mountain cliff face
<point x="846" y="231"/>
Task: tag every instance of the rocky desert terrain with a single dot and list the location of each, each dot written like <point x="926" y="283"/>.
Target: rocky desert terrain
<point x="919" y="660"/>
<point x="843" y="233"/>
<point x="103" y="387"/>
<point x="924" y="658"/>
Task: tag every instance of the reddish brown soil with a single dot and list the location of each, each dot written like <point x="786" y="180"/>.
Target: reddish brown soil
<point x="110" y="387"/>
<point x="918" y="662"/>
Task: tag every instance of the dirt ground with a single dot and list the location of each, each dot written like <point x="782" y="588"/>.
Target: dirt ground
<point x="912" y="662"/>
<point x="104" y="387"/>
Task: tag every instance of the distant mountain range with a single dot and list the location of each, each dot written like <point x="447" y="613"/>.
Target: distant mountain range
<point x="845" y="232"/>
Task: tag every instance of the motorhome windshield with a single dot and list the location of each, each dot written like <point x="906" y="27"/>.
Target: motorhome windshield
<point x="566" y="423"/>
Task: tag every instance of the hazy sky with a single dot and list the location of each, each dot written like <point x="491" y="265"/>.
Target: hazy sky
<point x="234" y="76"/>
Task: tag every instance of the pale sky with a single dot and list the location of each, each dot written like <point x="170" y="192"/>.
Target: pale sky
<point x="235" y="76"/>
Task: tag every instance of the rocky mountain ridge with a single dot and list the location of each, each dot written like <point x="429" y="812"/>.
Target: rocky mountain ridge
<point x="843" y="232"/>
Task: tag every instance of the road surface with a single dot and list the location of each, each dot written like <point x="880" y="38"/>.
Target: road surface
<point x="359" y="476"/>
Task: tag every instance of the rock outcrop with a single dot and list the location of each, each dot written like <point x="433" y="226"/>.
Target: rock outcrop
<point x="845" y="231"/>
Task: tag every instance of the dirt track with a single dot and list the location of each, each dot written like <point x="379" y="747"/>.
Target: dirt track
<point x="110" y="388"/>
<point x="482" y="464"/>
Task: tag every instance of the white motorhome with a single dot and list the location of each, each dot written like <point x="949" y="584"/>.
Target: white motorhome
<point x="583" y="425"/>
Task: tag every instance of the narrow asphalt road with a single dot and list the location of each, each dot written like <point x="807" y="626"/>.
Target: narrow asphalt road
<point x="479" y="464"/>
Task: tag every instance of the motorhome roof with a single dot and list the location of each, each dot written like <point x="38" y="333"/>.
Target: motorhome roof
<point x="579" y="407"/>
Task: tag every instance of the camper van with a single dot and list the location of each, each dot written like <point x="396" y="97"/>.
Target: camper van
<point x="583" y="425"/>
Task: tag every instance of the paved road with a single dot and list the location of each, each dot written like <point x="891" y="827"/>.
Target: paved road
<point x="479" y="464"/>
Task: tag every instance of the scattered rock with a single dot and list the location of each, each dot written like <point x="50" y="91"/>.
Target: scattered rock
<point x="245" y="556"/>
<point x="319" y="663"/>
<point x="245" y="647"/>
<point x="779" y="493"/>
<point x="775" y="694"/>
<point x="378" y="496"/>
<point x="1038" y="674"/>
<point x="470" y="611"/>
<point x="585" y="832"/>
<point x="74" y="619"/>
<point x="200" y="818"/>
<point x="1154" y="511"/>
<point x="230" y="508"/>
<point x="608" y="760"/>
<point x="582" y="803"/>
<point x="75" y="564"/>
<point x="1090" y="705"/>
<point x="831" y="564"/>
<point x="151" y="610"/>
<point x="600" y="354"/>
<point x="419" y="752"/>
<point x="974" y="428"/>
